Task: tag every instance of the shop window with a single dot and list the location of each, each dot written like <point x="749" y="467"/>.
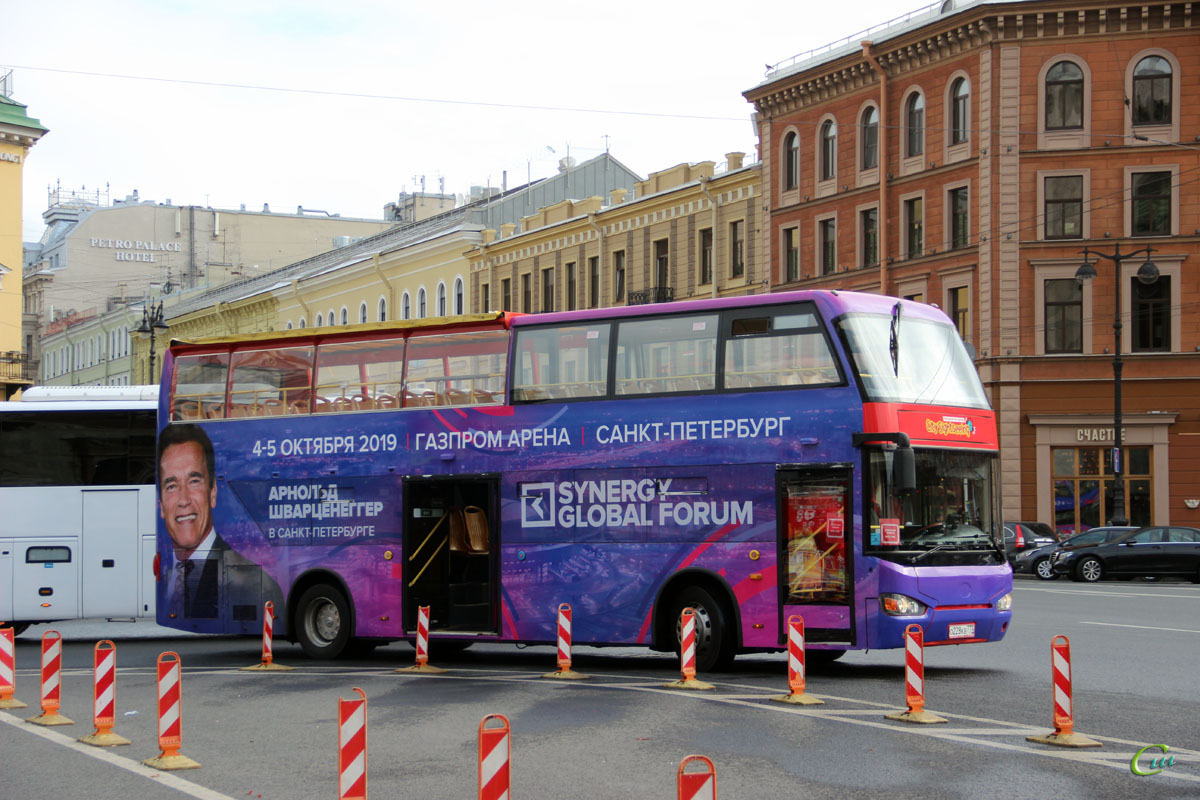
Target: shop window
<point x="1084" y="481"/>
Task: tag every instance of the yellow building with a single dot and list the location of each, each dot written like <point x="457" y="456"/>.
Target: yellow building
<point x="18" y="133"/>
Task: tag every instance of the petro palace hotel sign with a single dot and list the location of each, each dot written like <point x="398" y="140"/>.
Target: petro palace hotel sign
<point x="135" y="249"/>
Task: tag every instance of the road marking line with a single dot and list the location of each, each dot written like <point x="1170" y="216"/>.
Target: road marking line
<point x="1111" y="594"/>
<point x="1140" y="627"/>
<point x="165" y="778"/>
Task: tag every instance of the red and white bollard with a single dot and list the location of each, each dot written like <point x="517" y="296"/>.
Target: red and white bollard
<point x="564" y="671"/>
<point x="352" y="747"/>
<point x="268" y="654"/>
<point x="170" y="716"/>
<point x="796" y="672"/>
<point x="495" y="754"/>
<point x="51" y="681"/>
<point x="696" y="784"/>
<point x="914" y="679"/>
<point x="104" y="697"/>
<point x="422" y="645"/>
<point x="687" y="653"/>
<point x="1064" y="713"/>
<point x="8" y="670"/>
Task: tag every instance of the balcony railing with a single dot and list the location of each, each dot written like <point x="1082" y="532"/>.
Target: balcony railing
<point x="655" y="294"/>
<point x="15" y="366"/>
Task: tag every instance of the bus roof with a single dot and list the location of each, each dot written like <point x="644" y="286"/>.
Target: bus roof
<point x="66" y="394"/>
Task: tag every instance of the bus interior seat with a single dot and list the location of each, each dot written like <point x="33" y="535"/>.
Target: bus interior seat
<point x="273" y="407"/>
<point x="342" y="404"/>
<point x="386" y="401"/>
<point x="187" y="409"/>
<point x="362" y="402"/>
<point x="214" y="411"/>
<point x="321" y="405"/>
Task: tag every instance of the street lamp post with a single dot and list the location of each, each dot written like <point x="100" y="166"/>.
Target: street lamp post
<point x="152" y="321"/>
<point x="1146" y="275"/>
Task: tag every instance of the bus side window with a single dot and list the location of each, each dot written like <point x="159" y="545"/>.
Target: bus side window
<point x="48" y="555"/>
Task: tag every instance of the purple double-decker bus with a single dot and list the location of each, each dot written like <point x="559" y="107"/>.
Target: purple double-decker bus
<point x="824" y="454"/>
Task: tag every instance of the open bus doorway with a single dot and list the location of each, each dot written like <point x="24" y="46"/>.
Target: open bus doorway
<point x="451" y="554"/>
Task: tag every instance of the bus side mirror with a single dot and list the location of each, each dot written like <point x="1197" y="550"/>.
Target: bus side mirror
<point x="904" y="470"/>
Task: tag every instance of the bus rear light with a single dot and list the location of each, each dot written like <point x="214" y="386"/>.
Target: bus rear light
<point x="900" y="605"/>
<point x="157" y="567"/>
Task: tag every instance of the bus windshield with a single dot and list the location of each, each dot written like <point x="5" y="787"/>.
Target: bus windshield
<point x="911" y="375"/>
<point x="950" y="519"/>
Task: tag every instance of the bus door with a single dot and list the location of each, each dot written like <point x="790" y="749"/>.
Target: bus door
<point x="46" y="579"/>
<point x="451" y="553"/>
<point x="110" y="544"/>
<point x="816" y="549"/>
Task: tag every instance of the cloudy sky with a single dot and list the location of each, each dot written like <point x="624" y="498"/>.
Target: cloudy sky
<point x="341" y="106"/>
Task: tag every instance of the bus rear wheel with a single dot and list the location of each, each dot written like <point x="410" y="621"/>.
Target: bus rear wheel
<point x="714" y="642"/>
<point x="323" y="621"/>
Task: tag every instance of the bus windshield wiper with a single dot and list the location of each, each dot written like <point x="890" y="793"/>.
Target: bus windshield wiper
<point x="934" y="549"/>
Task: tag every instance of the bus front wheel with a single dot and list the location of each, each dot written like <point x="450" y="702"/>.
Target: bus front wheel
<point x="323" y="621"/>
<point x="714" y="642"/>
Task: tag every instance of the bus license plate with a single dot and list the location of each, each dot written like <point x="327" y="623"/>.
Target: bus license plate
<point x="964" y="630"/>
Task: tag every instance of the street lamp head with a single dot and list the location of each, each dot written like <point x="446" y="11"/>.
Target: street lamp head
<point x="1147" y="273"/>
<point x="145" y="326"/>
<point x="1086" y="272"/>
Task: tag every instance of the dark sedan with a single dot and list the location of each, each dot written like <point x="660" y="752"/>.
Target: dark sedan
<point x="1040" y="561"/>
<point x="1158" y="550"/>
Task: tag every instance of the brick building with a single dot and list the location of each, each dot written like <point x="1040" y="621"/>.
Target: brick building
<point x="966" y="155"/>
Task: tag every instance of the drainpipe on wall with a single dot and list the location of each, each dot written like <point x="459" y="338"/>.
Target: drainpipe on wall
<point x="883" y="171"/>
<point x="713" y="202"/>
<point x="391" y="290"/>
<point x="296" y="291"/>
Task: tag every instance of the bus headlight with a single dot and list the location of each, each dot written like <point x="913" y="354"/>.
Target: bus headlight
<point x="900" y="605"/>
<point x="1004" y="603"/>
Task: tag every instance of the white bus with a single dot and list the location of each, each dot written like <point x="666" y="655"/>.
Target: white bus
<point x="77" y="504"/>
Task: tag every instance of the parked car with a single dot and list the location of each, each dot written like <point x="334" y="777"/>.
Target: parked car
<point x="1153" y="551"/>
<point x="1022" y="536"/>
<point x="1039" y="560"/>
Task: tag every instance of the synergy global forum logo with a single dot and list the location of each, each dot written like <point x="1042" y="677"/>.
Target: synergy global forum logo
<point x="623" y="503"/>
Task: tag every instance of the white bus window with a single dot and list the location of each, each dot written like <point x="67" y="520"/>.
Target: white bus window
<point x="667" y="354"/>
<point x="562" y="362"/>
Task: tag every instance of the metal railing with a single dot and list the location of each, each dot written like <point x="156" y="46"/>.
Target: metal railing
<point x="655" y="294"/>
<point x="15" y="366"/>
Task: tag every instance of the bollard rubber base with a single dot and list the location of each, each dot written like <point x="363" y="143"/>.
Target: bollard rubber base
<point x="171" y="763"/>
<point x="920" y="717"/>
<point x="799" y="699"/>
<point x="12" y="702"/>
<point x="566" y="675"/>
<point x="427" y="669"/>
<point x="49" y="718"/>
<point x="689" y="683"/>
<point x="109" y="739"/>
<point x="272" y="667"/>
<point x="1065" y="740"/>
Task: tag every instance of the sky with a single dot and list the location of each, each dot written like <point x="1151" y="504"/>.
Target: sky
<point x="341" y="106"/>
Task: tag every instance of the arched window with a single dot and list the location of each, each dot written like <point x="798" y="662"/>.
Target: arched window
<point x="362" y="313"/>
<point x="441" y="299"/>
<point x="870" y="138"/>
<point x="1152" y="91"/>
<point x="914" y="125"/>
<point x="289" y="325"/>
<point x="332" y="319"/>
<point x="960" y="94"/>
<point x="791" y="161"/>
<point x="828" y="150"/>
<point x="320" y="320"/>
<point x="406" y="307"/>
<point x="421" y="303"/>
<point x="345" y="316"/>
<point x="458" y="295"/>
<point x="383" y="309"/>
<point x="303" y="323"/>
<point x="1064" y="97"/>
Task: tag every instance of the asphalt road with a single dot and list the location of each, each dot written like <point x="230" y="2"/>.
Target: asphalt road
<point x="620" y="734"/>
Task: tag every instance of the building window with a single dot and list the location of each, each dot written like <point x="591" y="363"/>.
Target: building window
<point x="1064" y="207"/>
<point x="594" y="280"/>
<point x="662" y="263"/>
<point x="737" y="245"/>
<point x="382" y="310"/>
<point x="571" y="286"/>
<point x="706" y="256"/>
<point x="914" y="125"/>
<point x="506" y="294"/>
<point x="828" y="241"/>
<point x="870" y="138"/>
<point x="406" y="307"/>
<point x="960" y="218"/>
<point x="421" y="305"/>
<point x="959" y="308"/>
<point x="487" y="297"/>
<point x="619" y="276"/>
<point x="1151" y="315"/>
<point x="345" y="316"/>
<point x="868" y="226"/>
<point x="441" y="300"/>
<point x="828" y="150"/>
<point x="527" y="292"/>
<point x="362" y="313"/>
<point x="1151" y="206"/>
<point x="914" y="227"/>
<point x="791" y="250"/>
<point x="791" y="161"/>
<point x="320" y="320"/>
<point x="1152" y="91"/>
<point x="1064" y="97"/>
<point x="1064" y="316"/>
<point x="960" y="94"/>
<point x="458" y="295"/>
<point x="1084" y="481"/>
<point x="547" y="289"/>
